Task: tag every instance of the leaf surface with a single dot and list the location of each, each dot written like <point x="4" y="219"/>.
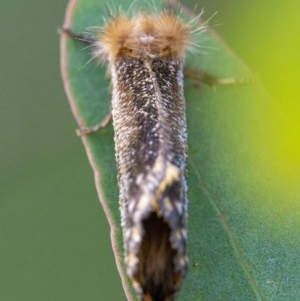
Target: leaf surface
<point x="243" y="171"/>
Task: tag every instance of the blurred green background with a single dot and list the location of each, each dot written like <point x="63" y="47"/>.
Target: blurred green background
<point x="54" y="238"/>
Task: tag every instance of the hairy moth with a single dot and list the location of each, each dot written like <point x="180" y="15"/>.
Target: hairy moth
<point x="145" y="56"/>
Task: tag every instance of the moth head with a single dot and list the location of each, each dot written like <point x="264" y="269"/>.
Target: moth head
<point x="145" y="36"/>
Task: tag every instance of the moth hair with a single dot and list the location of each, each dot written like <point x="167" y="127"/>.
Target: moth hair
<point x="144" y="35"/>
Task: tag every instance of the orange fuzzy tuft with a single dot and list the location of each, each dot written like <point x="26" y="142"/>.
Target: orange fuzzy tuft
<point x="114" y="35"/>
<point x="144" y="36"/>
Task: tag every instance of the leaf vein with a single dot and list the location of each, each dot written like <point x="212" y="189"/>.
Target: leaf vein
<point x="232" y="240"/>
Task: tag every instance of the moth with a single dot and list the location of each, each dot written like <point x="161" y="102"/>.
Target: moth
<point x="144" y="54"/>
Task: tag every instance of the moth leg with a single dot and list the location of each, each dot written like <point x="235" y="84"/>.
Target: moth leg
<point x="89" y="41"/>
<point x="86" y="39"/>
<point x="201" y="76"/>
<point x="213" y="81"/>
<point x="95" y="128"/>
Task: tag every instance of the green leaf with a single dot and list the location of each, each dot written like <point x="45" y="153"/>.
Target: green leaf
<point x="243" y="171"/>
